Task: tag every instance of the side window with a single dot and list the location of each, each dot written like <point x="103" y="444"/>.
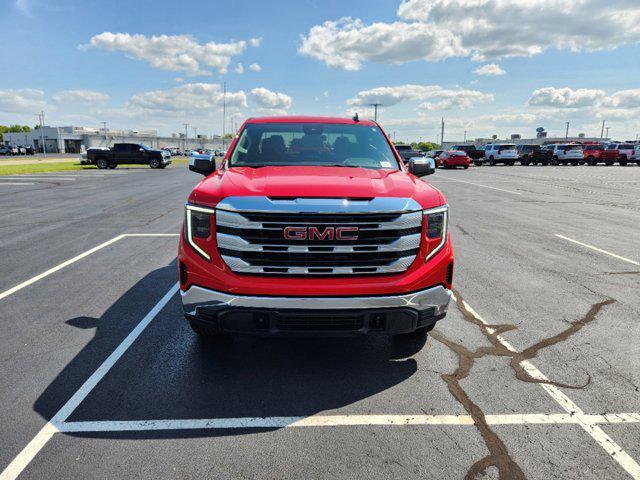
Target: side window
<point x="120" y="147"/>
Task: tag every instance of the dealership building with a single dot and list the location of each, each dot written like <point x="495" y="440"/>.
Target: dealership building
<point x="78" y="139"/>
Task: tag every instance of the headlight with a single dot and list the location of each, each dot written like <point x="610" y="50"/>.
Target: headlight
<point x="437" y="223"/>
<point x="198" y="223"/>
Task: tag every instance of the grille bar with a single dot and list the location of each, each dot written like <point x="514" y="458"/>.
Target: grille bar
<point x="254" y="242"/>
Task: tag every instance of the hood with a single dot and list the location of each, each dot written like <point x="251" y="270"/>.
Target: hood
<point x="318" y="182"/>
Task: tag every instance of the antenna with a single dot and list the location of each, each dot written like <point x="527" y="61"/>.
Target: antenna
<point x="356" y="118"/>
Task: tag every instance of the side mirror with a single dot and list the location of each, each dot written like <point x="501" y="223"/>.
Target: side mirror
<point x="422" y="166"/>
<point x="202" y="164"/>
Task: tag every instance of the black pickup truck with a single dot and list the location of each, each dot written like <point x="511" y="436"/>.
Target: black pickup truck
<point x="476" y="155"/>
<point x="123" y="153"/>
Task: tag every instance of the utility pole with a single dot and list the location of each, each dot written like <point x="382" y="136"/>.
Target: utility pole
<point x="186" y="136"/>
<point x="607" y="132"/>
<point x="566" y="135"/>
<point x="41" y="123"/>
<point x="224" y="110"/>
<point x="195" y="135"/>
<point x="442" y="133"/>
<point x="465" y="137"/>
<point x="375" y="110"/>
<point x="602" y="131"/>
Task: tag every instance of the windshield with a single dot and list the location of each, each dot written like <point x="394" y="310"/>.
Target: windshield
<point x="313" y="144"/>
<point x="594" y="147"/>
<point x="145" y="147"/>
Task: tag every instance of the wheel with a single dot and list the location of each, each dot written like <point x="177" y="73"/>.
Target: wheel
<point x="477" y="163"/>
<point x="154" y="163"/>
<point x="622" y="160"/>
<point x="608" y="163"/>
<point x="554" y="161"/>
<point x="544" y="164"/>
<point x="112" y="166"/>
<point x="163" y="165"/>
<point x="492" y="161"/>
<point x="591" y="160"/>
<point x="510" y="164"/>
<point x="525" y="162"/>
<point x="623" y="163"/>
<point x="575" y="164"/>
<point x="102" y="163"/>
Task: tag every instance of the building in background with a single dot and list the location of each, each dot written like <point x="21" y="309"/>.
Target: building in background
<point x="78" y="139"/>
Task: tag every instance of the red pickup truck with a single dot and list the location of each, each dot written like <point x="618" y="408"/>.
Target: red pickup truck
<point x="617" y="152"/>
<point x="312" y="225"/>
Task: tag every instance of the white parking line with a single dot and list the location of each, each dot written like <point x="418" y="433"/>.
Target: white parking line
<point x="25" y="457"/>
<point x="624" y="259"/>
<point x="340" y="420"/>
<point x="46" y="273"/>
<point x="476" y="184"/>
<point x="614" y="450"/>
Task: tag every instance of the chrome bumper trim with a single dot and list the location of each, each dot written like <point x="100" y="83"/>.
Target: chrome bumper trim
<point x="437" y="297"/>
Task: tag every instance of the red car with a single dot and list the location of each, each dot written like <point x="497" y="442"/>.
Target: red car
<point x="312" y="225"/>
<point x="453" y="159"/>
<point x="593" y="153"/>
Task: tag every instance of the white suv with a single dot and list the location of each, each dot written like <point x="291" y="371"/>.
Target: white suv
<point x="496" y="153"/>
<point x="564" y="154"/>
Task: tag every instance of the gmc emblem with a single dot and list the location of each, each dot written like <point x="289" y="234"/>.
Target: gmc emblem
<point x="314" y="233"/>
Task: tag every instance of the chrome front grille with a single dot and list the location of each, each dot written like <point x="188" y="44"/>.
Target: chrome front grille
<point x="254" y="242"/>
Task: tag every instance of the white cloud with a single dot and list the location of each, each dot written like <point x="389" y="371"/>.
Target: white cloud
<point x="270" y="100"/>
<point x="566" y="97"/>
<point x="80" y="96"/>
<point x="625" y="99"/>
<point x="255" y="67"/>
<point x="255" y="42"/>
<point x="480" y="29"/>
<point x="347" y="43"/>
<point x="490" y="70"/>
<point x="25" y="100"/>
<point x="190" y="97"/>
<point x="433" y="96"/>
<point x="177" y="53"/>
<point x="239" y="68"/>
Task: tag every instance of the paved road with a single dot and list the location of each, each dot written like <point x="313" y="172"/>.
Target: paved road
<point x="459" y="404"/>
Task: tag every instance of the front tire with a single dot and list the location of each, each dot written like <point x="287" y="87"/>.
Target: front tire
<point x="102" y="163"/>
<point x="154" y="163"/>
<point x="591" y="160"/>
<point x="492" y="161"/>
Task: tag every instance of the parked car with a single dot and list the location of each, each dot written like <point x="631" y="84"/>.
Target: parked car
<point x="6" y="150"/>
<point x="407" y="152"/>
<point x="312" y="203"/>
<point x="534" y="155"/>
<point x="495" y="153"/>
<point x="30" y="150"/>
<point x="565" y="154"/>
<point x="618" y="152"/>
<point x="475" y="154"/>
<point x="636" y="155"/>
<point x="128" y="153"/>
<point x="434" y="153"/>
<point x="593" y="153"/>
<point x="453" y="159"/>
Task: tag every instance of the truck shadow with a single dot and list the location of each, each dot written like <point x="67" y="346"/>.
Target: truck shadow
<point x="171" y="374"/>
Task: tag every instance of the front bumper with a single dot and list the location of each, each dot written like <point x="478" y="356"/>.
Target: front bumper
<point x="390" y="314"/>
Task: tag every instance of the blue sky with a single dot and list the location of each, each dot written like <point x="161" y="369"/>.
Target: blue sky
<point x="88" y="62"/>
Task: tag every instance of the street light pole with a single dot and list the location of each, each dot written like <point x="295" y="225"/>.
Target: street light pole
<point x="186" y="136"/>
<point x="375" y="110"/>
<point x="224" y="110"/>
<point x="566" y="135"/>
<point x="41" y="123"/>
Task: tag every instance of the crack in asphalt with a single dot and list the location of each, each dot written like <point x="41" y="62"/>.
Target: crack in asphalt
<point x="499" y="456"/>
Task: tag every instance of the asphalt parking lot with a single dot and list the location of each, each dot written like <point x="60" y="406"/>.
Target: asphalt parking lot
<point x="534" y="373"/>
